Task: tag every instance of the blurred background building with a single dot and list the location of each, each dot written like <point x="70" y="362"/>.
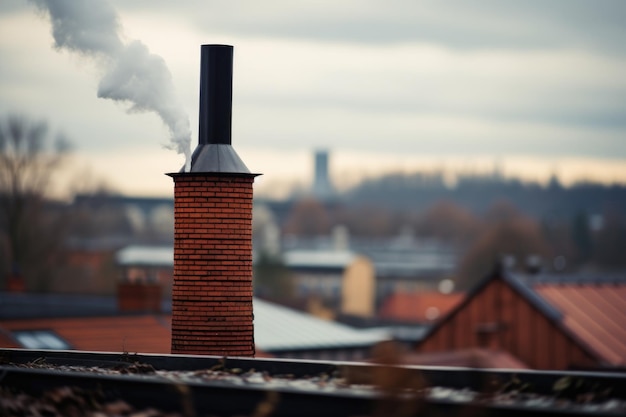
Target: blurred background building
<point x="400" y="257"/>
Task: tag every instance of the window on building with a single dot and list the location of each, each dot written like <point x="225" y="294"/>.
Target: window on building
<point x="40" y="339"/>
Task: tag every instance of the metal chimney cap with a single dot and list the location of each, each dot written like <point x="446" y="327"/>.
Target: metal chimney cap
<point x="214" y="157"/>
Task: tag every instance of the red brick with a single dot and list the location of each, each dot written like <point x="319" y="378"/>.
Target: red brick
<point x="212" y="292"/>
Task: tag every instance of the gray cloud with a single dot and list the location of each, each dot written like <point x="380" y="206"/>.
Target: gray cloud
<point x="496" y="77"/>
<point x="456" y="24"/>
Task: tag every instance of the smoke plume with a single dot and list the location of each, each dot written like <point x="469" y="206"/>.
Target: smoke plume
<point x="132" y="74"/>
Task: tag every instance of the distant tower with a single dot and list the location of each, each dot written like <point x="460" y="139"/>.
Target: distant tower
<point x="322" y="187"/>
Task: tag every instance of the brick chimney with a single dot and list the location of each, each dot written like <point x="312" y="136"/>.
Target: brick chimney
<point x="212" y="289"/>
<point x="139" y="297"/>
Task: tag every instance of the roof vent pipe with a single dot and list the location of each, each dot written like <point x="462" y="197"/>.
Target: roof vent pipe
<point x="216" y="94"/>
<point x="214" y="152"/>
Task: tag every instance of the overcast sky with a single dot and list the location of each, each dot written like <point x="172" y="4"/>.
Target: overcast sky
<point x="535" y="86"/>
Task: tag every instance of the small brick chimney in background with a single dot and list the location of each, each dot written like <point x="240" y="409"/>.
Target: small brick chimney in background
<point x="212" y="290"/>
<point x="138" y="297"/>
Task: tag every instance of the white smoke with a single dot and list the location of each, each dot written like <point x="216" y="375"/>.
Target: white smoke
<point x="132" y="73"/>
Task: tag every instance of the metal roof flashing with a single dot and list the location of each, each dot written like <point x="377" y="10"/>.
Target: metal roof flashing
<point x="531" y="295"/>
<point x="216" y="157"/>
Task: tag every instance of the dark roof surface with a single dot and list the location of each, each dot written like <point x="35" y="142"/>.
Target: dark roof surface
<point x="35" y="305"/>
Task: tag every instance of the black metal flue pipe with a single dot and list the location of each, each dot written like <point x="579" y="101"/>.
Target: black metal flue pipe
<point x="216" y="94"/>
<point x="214" y="152"/>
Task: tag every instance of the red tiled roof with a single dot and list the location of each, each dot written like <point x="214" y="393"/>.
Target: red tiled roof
<point x="594" y="313"/>
<point x="133" y="334"/>
<point x="419" y="306"/>
<point x="6" y="341"/>
<point x="144" y="333"/>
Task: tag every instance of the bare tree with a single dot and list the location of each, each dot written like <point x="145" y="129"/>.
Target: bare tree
<point x="308" y="217"/>
<point x="29" y="157"/>
<point x="448" y="221"/>
<point x="508" y="233"/>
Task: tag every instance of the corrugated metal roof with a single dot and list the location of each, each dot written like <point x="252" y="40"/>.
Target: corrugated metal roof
<point x="278" y="328"/>
<point x="412" y="264"/>
<point x="319" y="258"/>
<point x="594" y="313"/>
<point x="136" y="255"/>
